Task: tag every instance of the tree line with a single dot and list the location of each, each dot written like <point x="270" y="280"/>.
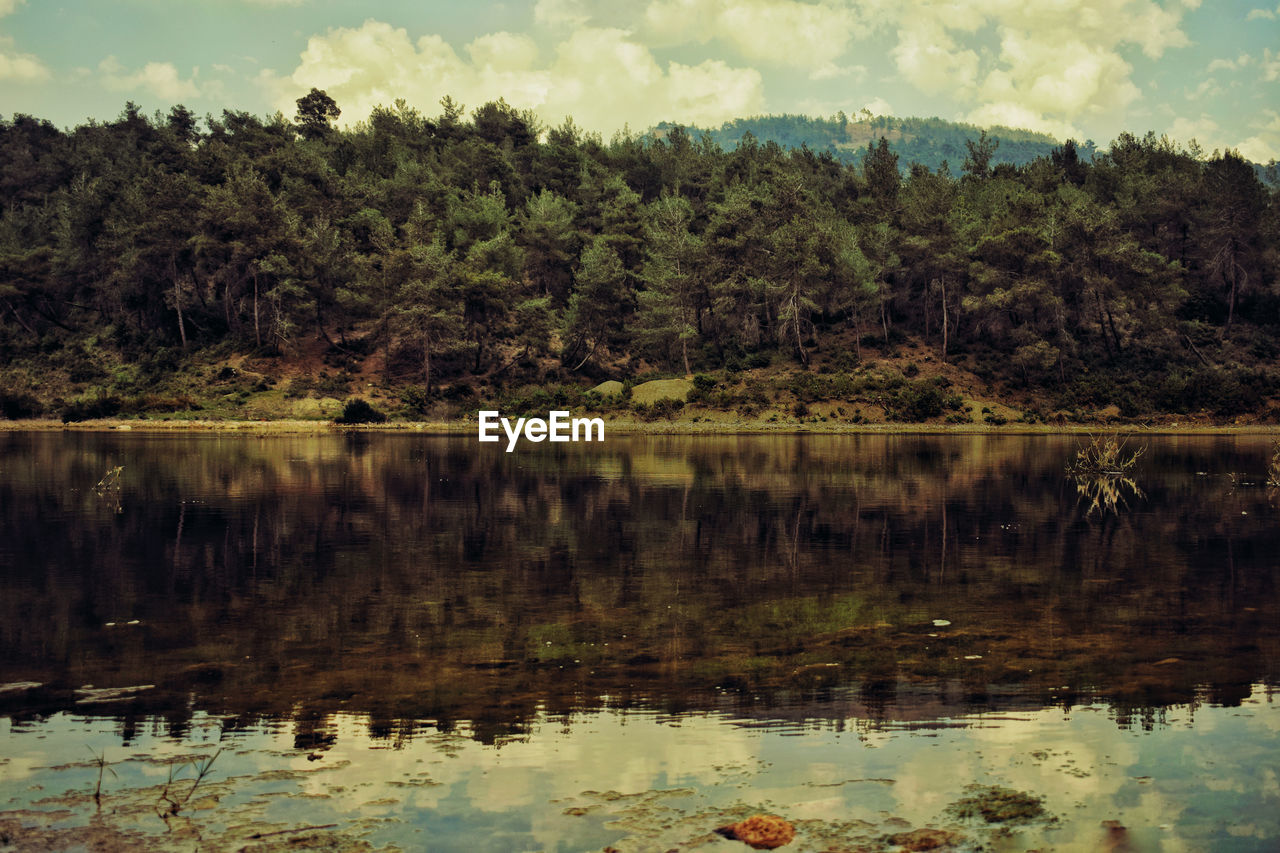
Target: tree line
<point x="462" y="247"/>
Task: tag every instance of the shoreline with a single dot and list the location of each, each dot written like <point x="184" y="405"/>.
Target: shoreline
<point x="633" y="427"/>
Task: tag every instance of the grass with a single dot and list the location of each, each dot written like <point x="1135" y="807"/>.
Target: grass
<point x="202" y="769"/>
<point x="661" y="389"/>
<point x="100" y="759"/>
<point x="1101" y="472"/>
<point x="1104" y="458"/>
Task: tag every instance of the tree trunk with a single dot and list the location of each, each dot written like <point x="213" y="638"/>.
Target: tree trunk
<point x="426" y="365"/>
<point x="23" y="323"/>
<point x="1102" y="325"/>
<point x="795" y="321"/>
<point x="1111" y="322"/>
<point x="257" y="331"/>
<point x="177" y="303"/>
<point x="943" y="282"/>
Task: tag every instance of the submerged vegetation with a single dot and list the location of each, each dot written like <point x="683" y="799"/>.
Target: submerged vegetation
<point x="159" y="266"/>
<point x="994" y="804"/>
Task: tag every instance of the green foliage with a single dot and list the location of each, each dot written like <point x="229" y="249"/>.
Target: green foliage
<point x="359" y="411"/>
<point x="415" y="399"/>
<point x="458" y="251"/>
<point x="917" y="401"/>
<point x="658" y="410"/>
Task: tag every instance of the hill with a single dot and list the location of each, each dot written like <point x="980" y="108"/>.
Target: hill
<point x="927" y="141"/>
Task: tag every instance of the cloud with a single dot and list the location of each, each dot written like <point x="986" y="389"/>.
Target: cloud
<point x="1207" y="88"/>
<point x="1264" y="145"/>
<point x="157" y="78"/>
<point x="16" y="66"/>
<point x="602" y="76"/>
<point x="561" y="13"/>
<point x="879" y="107"/>
<point x="22" y="67"/>
<point x="1203" y="130"/>
<point x="1229" y="64"/>
<point x="1056" y="64"/>
<point x="1270" y="66"/>
<point x="1262" y="14"/>
<point x="932" y="61"/>
<point x="811" y="36"/>
<point x="1261" y="146"/>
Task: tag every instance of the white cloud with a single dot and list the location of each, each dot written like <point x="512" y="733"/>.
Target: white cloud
<point x="932" y="61"/>
<point x="1055" y="66"/>
<point x="811" y="36"/>
<point x="1057" y="63"/>
<point x="786" y="33"/>
<point x="157" y="78"/>
<point x="1264" y="145"/>
<point x="560" y="13"/>
<point x="1262" y="14"/>
<point x="879" y="107"/>
<point x="1261" y="146"/>
<point x="1203" y="130"/>
<point x="19" y="66"/>
<point x="1207" y="88"/>
<point x="832" y="71"/>
<point x="1270" y="66"/>
<point x="22" y="67"/>
<point x="602" y="76"/>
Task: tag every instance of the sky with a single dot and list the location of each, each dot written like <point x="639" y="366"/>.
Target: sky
<point x="1088" y="69"/>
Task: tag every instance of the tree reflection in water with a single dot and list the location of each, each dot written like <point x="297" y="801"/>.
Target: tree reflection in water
<point x="418" y="579"/>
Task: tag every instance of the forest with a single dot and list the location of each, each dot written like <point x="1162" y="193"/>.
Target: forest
<point x="927" y="141"/>
<point x="465" y="255"/>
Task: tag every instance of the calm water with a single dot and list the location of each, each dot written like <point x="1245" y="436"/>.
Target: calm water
<point x="429" y="643"/>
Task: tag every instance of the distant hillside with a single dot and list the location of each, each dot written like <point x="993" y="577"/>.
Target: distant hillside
<point x="928" y="141"/>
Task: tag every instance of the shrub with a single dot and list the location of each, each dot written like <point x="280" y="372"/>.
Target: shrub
<point x="916" y="402"/>
<point x="415" y="399"/>
<point x="358" y="411"/>
<point x="845" y="362"/>
<point x="18" y="404"/>
<point x="86" y="409"/>
<point x="334" y="386"/>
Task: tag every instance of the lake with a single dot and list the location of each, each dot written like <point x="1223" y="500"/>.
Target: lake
<point x="395" y="641"/>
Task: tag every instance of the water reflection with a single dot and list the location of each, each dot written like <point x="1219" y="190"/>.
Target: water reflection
<point x="640" y="780"/>
<point x="420" y="578"/>
<point x="401" y="634"/>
